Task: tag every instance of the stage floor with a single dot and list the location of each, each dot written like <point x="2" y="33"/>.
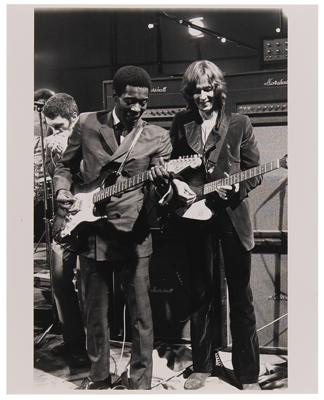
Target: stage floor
<point x="171" y="363"/>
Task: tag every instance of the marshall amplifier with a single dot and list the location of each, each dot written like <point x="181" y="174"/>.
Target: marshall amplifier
<point x="262" y="95"/>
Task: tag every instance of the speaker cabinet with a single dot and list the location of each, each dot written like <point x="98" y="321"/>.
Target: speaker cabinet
<point x="269" y="201"/>
<point x="270" y="294"/>
<point x="169" y="292"/>
<point x="269" y="276"/>
<point x="170" y="289"/>
<point x="270" y="297"/>
<point x="171" y="285"/>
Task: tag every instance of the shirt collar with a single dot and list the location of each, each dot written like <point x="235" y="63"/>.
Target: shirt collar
<point x="211" y="120"/>
<point x="116" y="120"/>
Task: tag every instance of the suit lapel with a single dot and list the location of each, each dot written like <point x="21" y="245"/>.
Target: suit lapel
<point x="106" y="130"/>
<point x="122" y="149"/>
<point x="212" y="140"/>
<point x="217" y="136"/>
<point x="193" y="135"/>
<point x="215" y="139"/>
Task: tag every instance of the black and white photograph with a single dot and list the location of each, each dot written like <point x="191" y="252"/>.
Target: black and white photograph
<point x="159" y="201"/>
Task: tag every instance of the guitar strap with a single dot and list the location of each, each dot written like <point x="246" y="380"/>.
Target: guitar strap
<point x="212" y="157"/>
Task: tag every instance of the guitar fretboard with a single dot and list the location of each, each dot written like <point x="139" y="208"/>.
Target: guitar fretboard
<point x="120" y="187"/>
<point x="174" y="166"/>
<point x="241" y="176"/>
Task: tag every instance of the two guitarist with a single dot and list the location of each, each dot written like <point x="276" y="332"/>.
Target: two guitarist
<point x="120" y="242"/>
<point x="227" y="145"/>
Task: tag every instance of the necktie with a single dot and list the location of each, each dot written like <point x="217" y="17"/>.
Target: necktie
<point x="118" y="130"/>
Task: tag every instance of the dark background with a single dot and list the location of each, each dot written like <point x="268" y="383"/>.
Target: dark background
<point x="77" y="49"/>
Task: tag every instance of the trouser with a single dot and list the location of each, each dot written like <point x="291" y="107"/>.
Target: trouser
<point x="237" y="264"/>
<point x="134" y="277"/>
<point x="63" y="263"/>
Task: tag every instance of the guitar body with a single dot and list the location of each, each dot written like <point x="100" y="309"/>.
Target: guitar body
<point x="198" y="211"/>
<point x="82" y="210"/>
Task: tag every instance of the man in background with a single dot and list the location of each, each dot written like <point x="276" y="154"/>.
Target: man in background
<point x="61" y="113"/>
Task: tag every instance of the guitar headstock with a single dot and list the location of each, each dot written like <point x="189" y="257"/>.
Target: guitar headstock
<point x="284" y="162"/>
<point x="182" y="163"/>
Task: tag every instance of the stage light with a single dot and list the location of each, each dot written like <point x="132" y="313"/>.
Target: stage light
<point x="194" y="32"/>
<point x="278" y="30"/>
<point x="150" y="26"/>
<point x="223" y="40"/>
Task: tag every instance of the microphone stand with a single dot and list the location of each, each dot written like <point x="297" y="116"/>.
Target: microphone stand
<point x="48" y="216"/>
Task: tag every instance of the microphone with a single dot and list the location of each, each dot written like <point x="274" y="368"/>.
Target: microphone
<point x="39" y="103"/>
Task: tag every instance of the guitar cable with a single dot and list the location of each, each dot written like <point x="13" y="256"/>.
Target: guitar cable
<point x="117" y="366"/>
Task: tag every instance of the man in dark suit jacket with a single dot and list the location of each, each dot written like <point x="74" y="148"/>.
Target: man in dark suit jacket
<point x="227" y="145"/>
<point x="121" y="241"/>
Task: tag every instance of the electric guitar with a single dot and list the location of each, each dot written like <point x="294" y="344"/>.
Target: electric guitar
<point x="200" y="211"/>
<point x="90" y="198"/>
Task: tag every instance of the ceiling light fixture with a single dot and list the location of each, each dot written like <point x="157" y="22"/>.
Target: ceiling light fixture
<point x="193" y="23"/>
<point x="199" y="22"/>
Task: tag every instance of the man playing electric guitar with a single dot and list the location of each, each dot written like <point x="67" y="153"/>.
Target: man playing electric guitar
<point x="121" y="241"/>
<point x="227" y="145"/>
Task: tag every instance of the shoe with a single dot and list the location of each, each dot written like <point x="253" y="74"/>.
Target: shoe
<point x="251" y="386"/>
<point x="88" y="384"/>
<point x="196" y="380"/>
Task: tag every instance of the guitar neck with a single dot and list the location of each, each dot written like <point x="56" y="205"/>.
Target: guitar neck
<point x="241" y="176"/>
<point x="120" y="187"/>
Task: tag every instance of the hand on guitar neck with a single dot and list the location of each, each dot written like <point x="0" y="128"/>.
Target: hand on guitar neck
<point x="187" y="196"/>
<point x="160" y="177"/>
<point x="227" y="191"/>
<point x="184" y="193"/>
